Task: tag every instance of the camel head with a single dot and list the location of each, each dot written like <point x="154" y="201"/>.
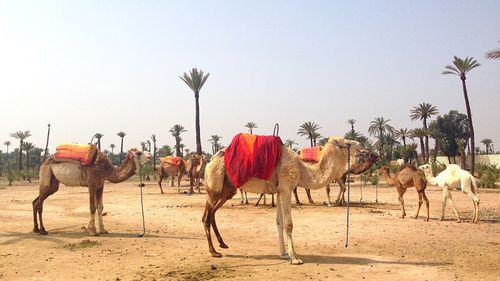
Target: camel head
<point x="140" y="157"/>
<point x="426" y="168"/>
<point x="361" y="159"/>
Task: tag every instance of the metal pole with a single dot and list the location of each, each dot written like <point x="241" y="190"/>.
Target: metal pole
<point x="348" y="192"/>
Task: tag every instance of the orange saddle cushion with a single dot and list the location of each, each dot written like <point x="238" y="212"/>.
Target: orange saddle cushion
<point x="172" y="160"/>
<point x="84" y="153"/>
<point x="311" y="154"/>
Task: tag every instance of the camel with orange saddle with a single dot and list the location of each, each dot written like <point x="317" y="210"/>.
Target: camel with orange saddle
<point x="172" y="167"/>
<point x="83" y="165"/>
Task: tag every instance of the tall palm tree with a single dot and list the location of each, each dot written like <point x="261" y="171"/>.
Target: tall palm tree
<point x="165" y="150"/>
<point x="290" y="143"/>
<point x="310" y="131"/>
<point x="494" y="54"/>
<point x="7" y="144"/>
<point x="46" y="152"/>
<point x="195" y="80"/>
<point x="21" y="136"/>
<point x="403" y="133"/>
<point x="377" y="128"/>
<point x="153" y="138"/>
<point x="420" y="133"/>
<point x="98" y="136"/>
<point x="251" y="126"/>
<point x="437" y="136"/>
<point x="422" y="112"/>
<point x="461" y="67"/>
<point x="28" y="146"/>
<point x="112" y="146"/>
<point x="214" y="139"/>
<point x="351" y="122"/>
<point x="176" y="131"/>
<point x="121" y="134"/>
<point x="487" y="143"/>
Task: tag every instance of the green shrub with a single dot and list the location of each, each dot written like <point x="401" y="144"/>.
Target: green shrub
<point x="489" y="175"/>
<point x="374" y="179"/>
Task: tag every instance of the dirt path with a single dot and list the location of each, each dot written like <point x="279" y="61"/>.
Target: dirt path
<point x="381" y="246"/>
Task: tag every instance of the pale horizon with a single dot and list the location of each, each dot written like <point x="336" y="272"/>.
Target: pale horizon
<point x="91" y="67"/>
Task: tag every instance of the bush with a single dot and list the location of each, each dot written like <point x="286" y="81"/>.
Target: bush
<point x="374" y="179"/>
<point x="437" y="168"/>
<point x="489" y="175"/>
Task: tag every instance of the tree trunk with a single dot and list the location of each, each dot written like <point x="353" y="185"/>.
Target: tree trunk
<point x="426" y="143"/>
<point x="121" y="151"/>
<point x="46" y="145"/>
<point x="471" y="127"/>
<point x="436" y="147"/>
<point x="197" y="121"/>
<point x="21" y="155"/>
<point x="154" y="155"/>
<point x="422" y="149"/>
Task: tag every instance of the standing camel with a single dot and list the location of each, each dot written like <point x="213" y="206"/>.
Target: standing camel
<point x="290" y="171"/>
<point x="408" y="176"/>
<point x="173" y="167"/>
<point x="451" y="178"/>
<point x="93" y="175"/>
<point x="196" y="171"/>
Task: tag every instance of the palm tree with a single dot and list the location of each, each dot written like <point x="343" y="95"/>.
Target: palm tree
<point x="420" y="133"/>
<point x="143" y="145"/>
<point x="289" y="143"/>
<point x="153" y="138"/>
<point x="251" y="126"/>
<point x="422" y="112"/>
<point x="47" y="143"/>
<point x="214" y="139"/>
<point x="403" y="133"/>
<point x="487" y="143"/>
<point x="121" y="134"/>
<point x="21" y="136"/>
<point x="309" y="130"/>
<point x="377" y="128"/>
<point x="7" y="144"/>
<point x="98" y="136"/>
<point x="437" y="136"/>
<point x="461" y="67"/>
<point x="28" y="146"/>
<point x="112" y="146"/>
<point x="176" y="131"/>
<point x="195" y="80"/>
<point x="351" y="122"/>
<point x="165" y="150"/>
<point x="494" y="54"/>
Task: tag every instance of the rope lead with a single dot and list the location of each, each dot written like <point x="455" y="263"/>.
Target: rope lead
<point x="141" y="185"/>
<point x="348" y="192"/>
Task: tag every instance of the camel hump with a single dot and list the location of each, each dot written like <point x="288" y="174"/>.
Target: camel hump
<point x="408" y="166"/>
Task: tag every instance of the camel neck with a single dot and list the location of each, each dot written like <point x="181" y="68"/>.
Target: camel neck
<point x="330" y="166"/>
<point x="122" y="172"/>
<point x="387" y="177"/>
<point x="429" y="177"/>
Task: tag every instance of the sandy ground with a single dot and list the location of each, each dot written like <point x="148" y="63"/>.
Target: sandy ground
<point x="381" y="246"/>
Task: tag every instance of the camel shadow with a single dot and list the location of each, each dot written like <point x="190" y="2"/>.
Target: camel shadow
<point x="344" y="260"/>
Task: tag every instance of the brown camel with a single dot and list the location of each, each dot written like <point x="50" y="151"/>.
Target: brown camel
<point x="169" y="169"/>
<point x="359" y="164"/>
<point x="196" y="171"/>
<point x="290" y="172"/>
<point x="408" y="176"/>
<point x="53" y="172"/>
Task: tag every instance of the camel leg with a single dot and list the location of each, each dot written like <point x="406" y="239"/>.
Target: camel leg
<point x="272" y="200"/>
<point x="401" y="192"/>
<point x="258" y="201"/>
<point x="340" y="197"/>
<point x="100" y="207"/>
<point x="160" y="176"/>
<point x="264" y="195"/>
<point x="308" y="192"/>
<point x="279" y="225"/>
<point x="38" y="205"/>
<point x="35" y="220"/>
<point x="93" y="206"/>
<point x="179" y="177"/>
<point x="297" y="201"/>
<point x="426" y="204"/>
<point x="206" y="224"/>
<point x="443" y="203"/>
<point x="328" y="195"/>
<point x="285" y="202"/>
<point x="420" y="201"/>
<point x="450" y="201"/>
<point x="214" y="224"/>
<point x="172" y="181"/>
<point x="475" y="201"/>
<point x="191" y="185"/>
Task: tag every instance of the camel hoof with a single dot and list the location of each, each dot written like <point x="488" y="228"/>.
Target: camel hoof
<point x="103" y="231"/>
<point x="459" y="221"/>
<point x="441" y="219"/>
<point x="415" y="217"/>
<point x="43" y="232"/>
<point x="36" y="230"/>
<point x="92" y="232"/>
<point x="216" y="255"/>
<point x="296" y="261"/>
<point x="285" y="256"/>
<point x="427" y="219"/>
<point x="223" y="245"/>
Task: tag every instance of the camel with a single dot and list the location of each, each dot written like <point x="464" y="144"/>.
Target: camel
<point x="451" y="178"/>
<point x="359" y="165"/>
<point x="290" y="172"/>
<point x="53" y="172"/>
<point x="408" y="176"/>
<point x="167" y="168"/>
<point x="196" y="171"/>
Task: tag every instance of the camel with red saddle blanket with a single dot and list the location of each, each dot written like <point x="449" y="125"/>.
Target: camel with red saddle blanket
<point x="83" y="165"/>
<point x="174" y="167"/>
<point x="288" y="171"/>
<point x="196" y="171"/>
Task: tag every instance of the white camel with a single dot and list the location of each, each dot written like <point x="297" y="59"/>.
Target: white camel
<point x="290" y="172"/>
<point x="451" y="178"/>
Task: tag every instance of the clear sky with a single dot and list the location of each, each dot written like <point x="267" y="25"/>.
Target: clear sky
<point x="110" y="66"/>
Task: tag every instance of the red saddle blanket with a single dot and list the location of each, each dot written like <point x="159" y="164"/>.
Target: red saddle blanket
<point x="252" y="156"/>
<point x="172" y="160"/>
<point x="84" y="153"/>
<point x="311" y="154"/>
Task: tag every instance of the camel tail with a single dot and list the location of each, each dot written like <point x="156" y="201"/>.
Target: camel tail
<point x="474" y="184"/>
